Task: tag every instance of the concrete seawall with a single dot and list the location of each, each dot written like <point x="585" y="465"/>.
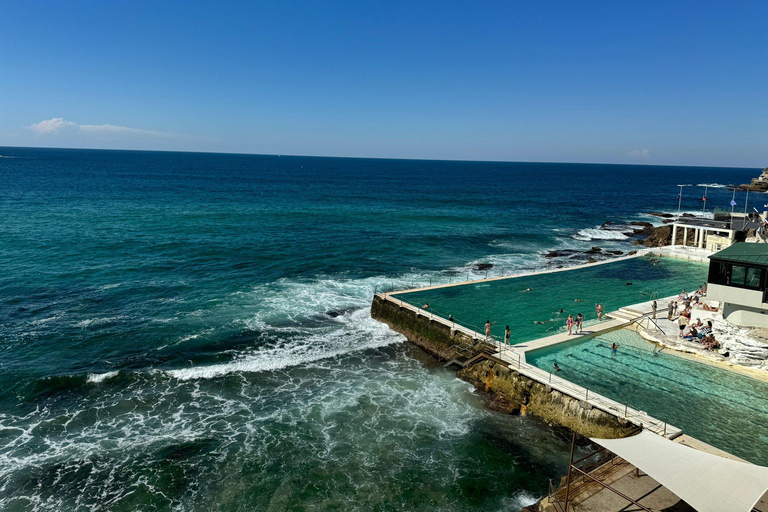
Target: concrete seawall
<point x="504" y="388"/>
<point x="436" y="338"/>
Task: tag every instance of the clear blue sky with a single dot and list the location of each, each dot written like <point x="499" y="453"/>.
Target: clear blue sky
<point x="668" y="82"/>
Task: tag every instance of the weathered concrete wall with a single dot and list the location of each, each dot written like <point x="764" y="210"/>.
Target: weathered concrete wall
<point x="434" y="337"/>
<point x="504" y="389"/>
<point x="527" y="396"/>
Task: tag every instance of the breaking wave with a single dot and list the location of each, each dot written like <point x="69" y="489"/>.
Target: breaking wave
<point x="600" y="234"/>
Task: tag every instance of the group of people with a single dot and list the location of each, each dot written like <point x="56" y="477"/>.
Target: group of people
<point x="693" y="330"/>
<point x="574" y="323"/>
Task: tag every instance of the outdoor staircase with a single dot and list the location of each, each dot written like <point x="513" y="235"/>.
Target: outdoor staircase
<point x="625" y="314"/>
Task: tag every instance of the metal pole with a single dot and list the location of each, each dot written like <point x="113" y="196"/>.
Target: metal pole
<point x="568" y="479"/>
<point x="665" y="428"/>
<point x="486" y="273"/>
<point x="587" y="395"/>
<point x="704" y="200"/>
<point x="745" y="203"/>
<point x="679" y="200"/>
<point x="625" y="410"/>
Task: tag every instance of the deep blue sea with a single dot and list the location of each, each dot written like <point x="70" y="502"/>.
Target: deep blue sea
<point x="190" y="331"/>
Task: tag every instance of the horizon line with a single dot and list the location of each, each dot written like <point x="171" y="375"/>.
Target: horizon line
<point x="380" y="157"/>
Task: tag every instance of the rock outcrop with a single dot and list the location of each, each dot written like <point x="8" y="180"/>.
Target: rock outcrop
<point x="759" y="184"/>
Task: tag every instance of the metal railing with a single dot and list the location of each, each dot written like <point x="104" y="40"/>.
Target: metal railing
<point x="648" y="322"/>
<point x="621" y="410"/>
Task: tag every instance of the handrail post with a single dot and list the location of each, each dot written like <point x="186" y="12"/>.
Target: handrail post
<point x="568" y="479"/>
<point x="586" y="397"/>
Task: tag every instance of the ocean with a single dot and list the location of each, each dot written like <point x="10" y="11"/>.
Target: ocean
<point x="191" y="331"/>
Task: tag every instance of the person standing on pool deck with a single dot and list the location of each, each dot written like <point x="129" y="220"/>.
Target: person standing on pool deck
<point x="488" y="325"/>
<point x="579" y="322"/>
<point x="599" y="310"/>
<point x="669" y="311"/>
<point x="507" y="334"/>
<point x="683" y="321"/>
<point x="569" y="324"/>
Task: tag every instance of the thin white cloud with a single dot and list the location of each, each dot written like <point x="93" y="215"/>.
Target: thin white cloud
<point x="60" y="125"/>
<point x="54" y="125"/>
<point x="640" y="153"/>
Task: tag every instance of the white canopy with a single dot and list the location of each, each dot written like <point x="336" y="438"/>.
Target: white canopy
<point x="707" y="482"/>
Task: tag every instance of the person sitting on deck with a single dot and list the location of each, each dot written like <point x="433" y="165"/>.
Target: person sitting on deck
<point x="710" y="343"/>
<point x="691" y="333"/>
<point x="707" y="307"/>
<point x="706" y="330"/>
<point x="683" y="296"/>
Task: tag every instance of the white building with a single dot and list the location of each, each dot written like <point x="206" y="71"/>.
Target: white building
<point x="738" y="279"/>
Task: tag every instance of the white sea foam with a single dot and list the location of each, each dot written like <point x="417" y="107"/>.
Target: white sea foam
<point x="360" y="333"/>
<point x="712" y="185"/>
<point x="599" y="234"/>
<point x="92" y="322"/>
<point x="101" y="377"/>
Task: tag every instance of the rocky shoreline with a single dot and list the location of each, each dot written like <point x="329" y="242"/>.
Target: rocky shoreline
<point x="759" y="184"/>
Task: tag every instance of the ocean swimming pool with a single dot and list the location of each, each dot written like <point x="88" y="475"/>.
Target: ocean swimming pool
<point x="575" y="291"/>
<point x="722" y="408"/>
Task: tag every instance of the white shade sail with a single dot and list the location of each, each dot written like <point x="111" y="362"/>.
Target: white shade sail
<point x="707" y="482"/>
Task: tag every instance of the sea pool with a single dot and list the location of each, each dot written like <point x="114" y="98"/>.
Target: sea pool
<point x="534" y="314"/>
<point x="719" y="407"/>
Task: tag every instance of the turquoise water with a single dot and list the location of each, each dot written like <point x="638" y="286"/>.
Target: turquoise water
<point x="724" y="409"/>
<point x="183" y="331"/>
<point x="505" y="302"/>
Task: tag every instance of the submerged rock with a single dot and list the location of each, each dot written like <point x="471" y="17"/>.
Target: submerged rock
<point x="483" y="266"/>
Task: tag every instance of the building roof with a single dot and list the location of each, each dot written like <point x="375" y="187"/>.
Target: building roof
<point x="707" y="482"/>
<point x="742" y="252"/>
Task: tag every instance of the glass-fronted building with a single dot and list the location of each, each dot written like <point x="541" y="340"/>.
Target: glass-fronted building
<point x="737" y="278"/>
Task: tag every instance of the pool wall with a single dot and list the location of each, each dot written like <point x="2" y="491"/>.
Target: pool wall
<point x="431" y="333"/>
<point x="512" y="392"/>
<point x="503" y="388"/>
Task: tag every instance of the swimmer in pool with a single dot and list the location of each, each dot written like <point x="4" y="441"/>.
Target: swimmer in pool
<point x="526" y="290"/>
<point x="557" y="368"/>
<point x="614" y="348"/>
